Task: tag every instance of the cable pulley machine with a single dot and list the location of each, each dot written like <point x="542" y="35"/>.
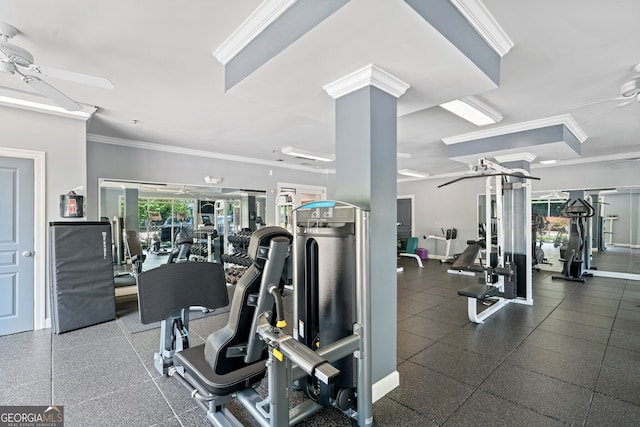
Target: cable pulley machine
<point x="507" y="276"/>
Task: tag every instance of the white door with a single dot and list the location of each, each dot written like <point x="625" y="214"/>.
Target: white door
<point x="16" y="245"/>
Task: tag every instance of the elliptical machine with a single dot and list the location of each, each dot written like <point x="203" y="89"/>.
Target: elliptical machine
<point x="576" y="256"/>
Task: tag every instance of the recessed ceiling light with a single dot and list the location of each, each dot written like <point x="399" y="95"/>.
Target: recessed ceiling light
<point x="472" y="110"/>
<point x="548" y="162"/>
<point x="304" y="154"/>
<point x="39" y="106"/>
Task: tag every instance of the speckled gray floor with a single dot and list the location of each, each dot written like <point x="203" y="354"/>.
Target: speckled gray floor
<point x="573" y="358"/>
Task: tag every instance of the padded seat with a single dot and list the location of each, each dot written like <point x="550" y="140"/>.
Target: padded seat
<point x="479" y="291"/>
<point x="195" y="365"/>
<point x="233" y="357"/>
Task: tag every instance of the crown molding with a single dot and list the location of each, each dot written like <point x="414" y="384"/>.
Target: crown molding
<point x="516" y="157"/>
<point x="566" y="119"/>
<point x="485" y="24"/>
<point x="256" y="23"/>
<point x="369" y="75"/>
<point x="101" y="139"/>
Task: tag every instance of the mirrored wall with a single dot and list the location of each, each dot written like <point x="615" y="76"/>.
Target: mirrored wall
<point x="177" y="205"/>
<point x="161" y="213"/>
<point x="613" y="230"/>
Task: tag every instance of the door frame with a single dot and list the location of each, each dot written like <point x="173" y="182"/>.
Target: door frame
<point x="39" y="230"/>
<point x="301" y="188"/>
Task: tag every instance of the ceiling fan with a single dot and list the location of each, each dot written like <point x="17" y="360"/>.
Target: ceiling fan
<point x="181" y="190"/>
<point x="629" y="93"/>
<point x="16" y="60"/>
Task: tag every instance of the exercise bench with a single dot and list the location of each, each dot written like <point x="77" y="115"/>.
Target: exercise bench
<point x="464" y="264"/>
<point x="410" y="251"/>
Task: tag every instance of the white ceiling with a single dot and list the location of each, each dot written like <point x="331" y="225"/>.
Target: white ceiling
<point x="158" y="53"/>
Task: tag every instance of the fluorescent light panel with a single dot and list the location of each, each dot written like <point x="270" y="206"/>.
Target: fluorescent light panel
<point x="413" y="173"/>
<point x="472" y="110"/>
<point x="548" y="162"/>
<point x="37" y="106"/>
<point x="297" y="152"/>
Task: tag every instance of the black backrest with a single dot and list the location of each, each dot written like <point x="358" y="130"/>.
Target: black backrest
<point x="259" y="242"/>
<point x="225" y="349"/>
<point x="172" y="287"/>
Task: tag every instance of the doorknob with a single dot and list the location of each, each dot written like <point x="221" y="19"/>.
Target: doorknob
<point x="26" y="253"/>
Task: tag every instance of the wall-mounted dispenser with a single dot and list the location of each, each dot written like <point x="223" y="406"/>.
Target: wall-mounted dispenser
<point x="71" y="205"/>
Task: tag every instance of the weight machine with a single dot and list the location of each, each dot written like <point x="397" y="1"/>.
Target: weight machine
<point x="507" y="273"/>
<point x="332" y="300"/>
<point x="329" y="353"/>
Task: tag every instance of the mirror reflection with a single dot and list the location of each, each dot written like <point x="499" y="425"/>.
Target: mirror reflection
<point x="155" y="218"/>
<point x="612" y="233"/>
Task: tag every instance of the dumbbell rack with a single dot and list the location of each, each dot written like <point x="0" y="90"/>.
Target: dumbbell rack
<point x="238" y="261"/>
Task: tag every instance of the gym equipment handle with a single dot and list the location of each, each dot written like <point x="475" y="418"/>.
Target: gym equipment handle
<point x="281" y="323"/>
<point x="308" y="360"/>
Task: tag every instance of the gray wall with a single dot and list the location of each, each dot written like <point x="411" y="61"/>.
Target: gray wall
<point x="64" y="142"/>
<point x="446" y="207"/>
<point x="134" y="164"/>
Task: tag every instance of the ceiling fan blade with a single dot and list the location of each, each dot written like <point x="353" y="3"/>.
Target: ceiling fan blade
<point x="72" y="76"/>
<point x="588" y="104"/>
<point x="52" y="93"/>
<point x="3" y="55"/>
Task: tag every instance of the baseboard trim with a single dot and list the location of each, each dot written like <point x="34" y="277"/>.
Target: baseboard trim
<point x="614" y="274"/>
<point x="383" y="386"/>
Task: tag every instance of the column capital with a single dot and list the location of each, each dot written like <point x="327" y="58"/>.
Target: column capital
<point x="369" y="75"/>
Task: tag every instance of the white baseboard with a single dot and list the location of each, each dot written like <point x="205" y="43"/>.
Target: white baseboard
<point x="383" y="386"/>
<point x="614" y="274"/>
